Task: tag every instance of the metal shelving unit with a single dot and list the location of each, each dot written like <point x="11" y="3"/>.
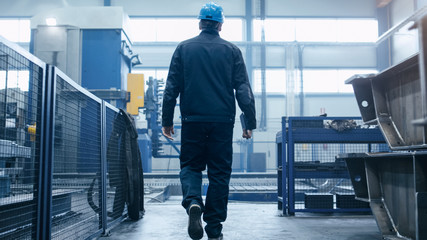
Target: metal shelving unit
<point x="310" y="178"/>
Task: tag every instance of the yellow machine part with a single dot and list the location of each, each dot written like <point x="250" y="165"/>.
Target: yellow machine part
<point x="32" y="131"/>
<point x="136" y="88"/>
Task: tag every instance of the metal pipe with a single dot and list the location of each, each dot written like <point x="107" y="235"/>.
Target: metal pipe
<point x="421" y="12"/>
<point x="301" y="68"/>
<point x="5" y="98"/>
<point x="263" y="122"/>
<point x="103" y="217"/>
<point x="248" y="18"/>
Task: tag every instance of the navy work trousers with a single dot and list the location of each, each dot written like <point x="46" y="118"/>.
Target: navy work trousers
<point x="207" y="144"/>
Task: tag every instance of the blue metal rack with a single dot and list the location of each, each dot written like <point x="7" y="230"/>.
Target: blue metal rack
<point x="305" y="138"/>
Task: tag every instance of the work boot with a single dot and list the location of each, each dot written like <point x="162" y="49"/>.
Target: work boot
<point x="218" y="238"/>
<point x="195" y="228"/>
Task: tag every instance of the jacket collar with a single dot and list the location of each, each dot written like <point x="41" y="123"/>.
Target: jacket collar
<point x="210" y="31"/>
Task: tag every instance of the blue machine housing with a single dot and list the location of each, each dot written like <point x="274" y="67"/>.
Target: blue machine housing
<point x="103" y="67"/>
<point x="144" y="142"/>
<point x="95" y="54"/>
<point x="103" y="64"/>
<point x="101" y="58"/>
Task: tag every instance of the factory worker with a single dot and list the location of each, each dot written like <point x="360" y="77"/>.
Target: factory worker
<point x="208" y="74"/>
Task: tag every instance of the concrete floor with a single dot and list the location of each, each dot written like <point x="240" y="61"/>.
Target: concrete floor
<point x="164" y="221"/>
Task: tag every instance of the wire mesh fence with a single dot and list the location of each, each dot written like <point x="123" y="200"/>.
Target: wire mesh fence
<point x="77" y="162"/>
<point x="320" y="192"/>
<point x="311" y="177"/>
<point x="62" y="156"/>
<point x="20" y="111"/>
<point x="115" y="171"/>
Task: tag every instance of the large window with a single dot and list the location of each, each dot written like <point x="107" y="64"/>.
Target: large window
<point x="275" y="30"/>
<point x="320" y="30"/>
<point x="179" y="29"/>
<point x="314" y="80"/>
<point x="154" y="73"/>
<point x="365" y="30"/>
<point x="275" y="81"/>
<point x="317" y="30"/>
<point x="15" y="30"/>
<point x="330" y="80"/>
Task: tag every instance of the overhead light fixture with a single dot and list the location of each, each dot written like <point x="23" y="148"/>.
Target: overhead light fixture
<point x="51" y="21"/>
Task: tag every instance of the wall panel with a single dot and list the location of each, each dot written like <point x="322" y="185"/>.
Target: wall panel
<point x="400" y="10"/>
<point x="340" y="56"/>
<point x="316" y="8"/>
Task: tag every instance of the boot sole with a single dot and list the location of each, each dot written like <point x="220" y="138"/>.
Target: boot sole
<point x="195" y="228"/>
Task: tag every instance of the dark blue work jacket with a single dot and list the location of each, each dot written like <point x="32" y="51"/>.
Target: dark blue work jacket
<point x="208" y="73"/>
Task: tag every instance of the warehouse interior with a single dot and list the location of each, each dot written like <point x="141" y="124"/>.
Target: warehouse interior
<point x="340" y="94"/>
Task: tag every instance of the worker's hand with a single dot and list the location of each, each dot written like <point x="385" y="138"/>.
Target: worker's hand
<point x="168" y="131"/>
<point x="247" y="133"/>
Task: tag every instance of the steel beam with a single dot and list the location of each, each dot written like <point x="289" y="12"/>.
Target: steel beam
<point x="395" y="185"/>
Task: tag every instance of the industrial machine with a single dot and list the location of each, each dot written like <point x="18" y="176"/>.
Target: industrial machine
<point x="93" y="49"/>
<point x="152" y="110"/>
<point x="395" y="183"/>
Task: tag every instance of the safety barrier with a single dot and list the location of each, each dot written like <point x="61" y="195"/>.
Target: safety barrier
<point x="62" y="167"/>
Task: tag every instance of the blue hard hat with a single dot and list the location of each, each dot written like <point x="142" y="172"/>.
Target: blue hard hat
<point x="212" y="11"/>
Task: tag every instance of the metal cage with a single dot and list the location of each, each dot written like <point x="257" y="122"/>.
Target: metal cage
<point x="310" y="178"/>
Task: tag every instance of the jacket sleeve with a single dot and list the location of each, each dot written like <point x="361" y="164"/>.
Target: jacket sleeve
<point x="172" y="89"/>
<point x="244" y="95"/>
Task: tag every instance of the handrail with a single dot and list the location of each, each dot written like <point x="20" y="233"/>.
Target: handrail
<point x="419" y="13"/>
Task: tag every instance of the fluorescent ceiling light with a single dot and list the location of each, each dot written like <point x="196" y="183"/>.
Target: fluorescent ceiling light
<point x="51" y="21"/>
